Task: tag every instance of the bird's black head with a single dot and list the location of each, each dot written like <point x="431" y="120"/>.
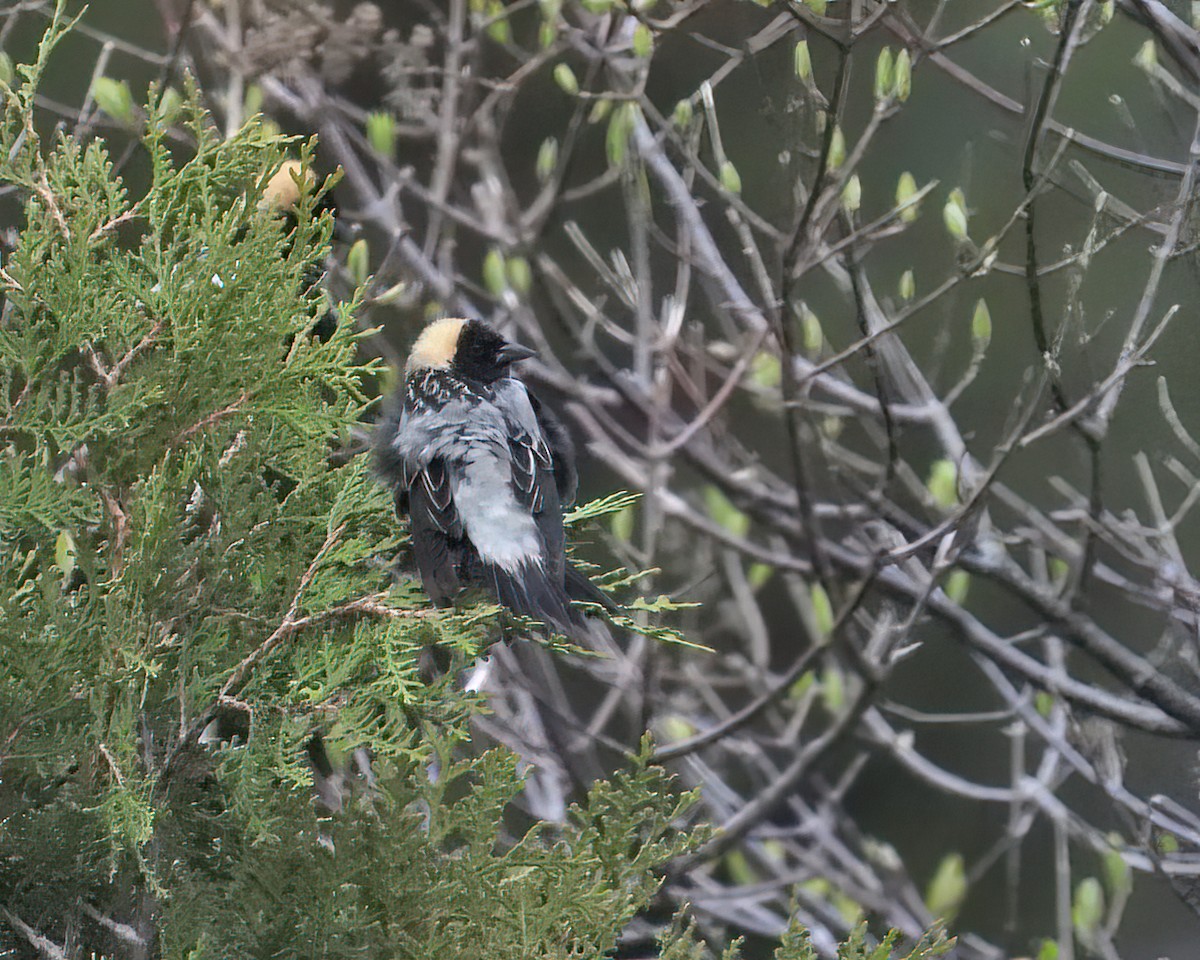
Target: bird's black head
<point x="469" y="348"/>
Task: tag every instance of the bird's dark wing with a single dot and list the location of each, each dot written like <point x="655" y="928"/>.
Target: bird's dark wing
<point x="562" y="451"/>
<point x="437" y="536"/>
<point x="534" y="484"/>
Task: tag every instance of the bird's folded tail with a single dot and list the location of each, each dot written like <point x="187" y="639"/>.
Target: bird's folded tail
<point x="580" y="587"/>
<point x="532" y="592"/>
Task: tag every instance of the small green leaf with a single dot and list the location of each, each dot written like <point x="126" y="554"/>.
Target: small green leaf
<point x="954" y="215"/>
<point x="803" y="684"/>
<point x="381" y="133"/>
<point x="906" y="189"/>
<point x="765" y="370"/>
<point x="885" y="74"/>
<point x="758" y="575"/>
<point x="908" y="285"/>
<point x="817" y="6"/>
<point x="852" y="194"/>
<point x="391" y="295"/>
<point x="833" y="689"/>
<point x="957" y="585"/>
<point x="1048" y="950"/>
<point x="837" y="149"/>
<point x="564" y="76"/>
<point x="253" y="100"/>
<point x="621" y="524"/>
<point x="817" y="887"/>
<point x="520" y="276"/>
<point x="113" y="97"/>
<point x="682" y="115"/>
<point x="168" y="106"/>
<point x="550" y="9"/>
<point x="981" y="324"/>
<point x="903" y="72"/>
<point x="643" y="41"/>
<point x="547" y="159"/>
<point x="358" y="261"/>
<point x="731" y="180"/>
<point x="849" y="909"/>
<point x="1167" y="843"/>
<point x="810" y="326"/>
<point x="620" y="128"/>
<point x="802" y="60"/>
<point x="739" y="868"/>
<point x="495" y="276"/>
<point x="1147" y="56"/>
<point x="948" y="888"/>
<point x="1044" y="702"/>
<point x="499" y="29"/>
<point x="65" y="553"/>
<point x="1087" y="908"/>
<point x="822" y="610"/>
<point x="600" y="109"/>
<point x="1118" y="876"/>
<point x="724" y="512"/>
<point x="676" y="727"/>
<point x="943" y="483"/>
<point x="775" y="850"/>
<point x="660" y="603"/>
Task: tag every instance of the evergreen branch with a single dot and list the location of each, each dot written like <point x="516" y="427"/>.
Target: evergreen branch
<point x="120" y="530"/>
<point x="112" y="763"/>
<point x="112" y="375"/>
<point x="44" y="945"/>
<point x="41" y="184"/>
<point x="369" y="606"/>
<point x="365" y="606"/>
<point x="110" y="225"/>
<point x="212" y="418"/>
<point x="122" y="931"/>
<point x="10" y="282"/>
<point x="11" y="738"/>
<point x="290" y="624"/>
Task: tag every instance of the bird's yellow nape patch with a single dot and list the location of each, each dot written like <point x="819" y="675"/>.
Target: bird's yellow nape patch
<point x="436" y="345"/>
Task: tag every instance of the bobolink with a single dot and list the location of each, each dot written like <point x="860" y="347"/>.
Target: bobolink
<point x="482" y="470"/>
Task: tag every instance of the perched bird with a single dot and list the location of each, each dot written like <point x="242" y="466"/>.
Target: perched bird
<point x="482" y="469"/>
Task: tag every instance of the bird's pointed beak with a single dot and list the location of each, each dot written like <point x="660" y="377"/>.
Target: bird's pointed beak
<point x="512" y="352"/>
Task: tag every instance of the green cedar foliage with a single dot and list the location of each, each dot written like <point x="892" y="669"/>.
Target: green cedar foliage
<point x="190" y="585"/>
<point x="680" y="942"/>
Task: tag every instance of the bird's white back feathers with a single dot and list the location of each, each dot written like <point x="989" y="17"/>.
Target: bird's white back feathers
<point x="472" y="436"/>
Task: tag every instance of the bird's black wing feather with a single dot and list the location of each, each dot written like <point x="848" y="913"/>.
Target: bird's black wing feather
<point x="539" y="589"/>
<point x="438" y="543"/>
<point x="535" y="486"/>
<point x="562" y="451"/>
